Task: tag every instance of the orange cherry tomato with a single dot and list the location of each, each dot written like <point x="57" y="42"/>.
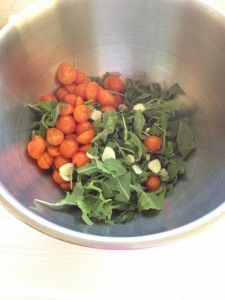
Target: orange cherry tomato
<point x="80" y="90"/>
<point x="54" y="136"/>
<point x="86" y="80"/>
<point x="91" y="91"/>
<point x="45" y="160"/>
<point x="105" y="98"/>
<point x="80" y="101"/>
<point x="82" y="127"/>
<point x="119" y="100"/>
<point x="61" y="161"/>
<point x="86" y="137"/>
<point x="64" y="111"/>
<point x="80" y="77"/>
<point x="57" y="177"/>
<point x="36" y="146"/>
<point x="68" y="148"/>
<point x="153" y="183"/>
<point x="46" y="97"/>
<point x="85" y="148"/>
<point x="71" y="136"/>
<point x="71" y="99"/>
<point x="70" y="87"/>
<point x="53" y="150"/>
<point x="153" y="143"/>
<point x="106" y="108"/>
<point x="66" y="124"/>
<point x="66" y="73"/>
<point x="80" y="159"/>
<point x="61" y="94"/>
<point x="81" y="113"/>
<point x="114" y="83"/>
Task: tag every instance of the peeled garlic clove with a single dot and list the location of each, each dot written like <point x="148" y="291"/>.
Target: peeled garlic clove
<point x="66" y="170"/>
<point x="148" y="156"/>
<point x="154" y="166"/>
<point x="96" y="115"/>
<point x="137" y="169"/>
<point x="108" y="153"/>
<point x="139" y="106"/>
<point x="130" y="159"/>
<point x="91" y="156"/>
<point x="163" y="172"/>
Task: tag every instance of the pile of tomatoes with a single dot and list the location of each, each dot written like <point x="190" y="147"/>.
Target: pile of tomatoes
<point x="70" y="138"/>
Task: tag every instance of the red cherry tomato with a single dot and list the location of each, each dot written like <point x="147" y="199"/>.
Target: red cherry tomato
<point x="153" y="143"/>
<point x="153" y="183"/>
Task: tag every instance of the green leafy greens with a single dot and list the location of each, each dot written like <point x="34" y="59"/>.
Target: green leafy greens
<point x="110" y="191"/>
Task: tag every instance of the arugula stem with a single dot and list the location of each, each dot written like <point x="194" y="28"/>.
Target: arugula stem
<point x="125" y="129"/>
<point x="115" y="93"/>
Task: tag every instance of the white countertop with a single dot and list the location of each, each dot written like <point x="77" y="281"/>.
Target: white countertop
<point x="34" y="266"/>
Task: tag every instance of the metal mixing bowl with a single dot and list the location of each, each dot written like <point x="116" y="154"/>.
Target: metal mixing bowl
<point x="166" y="41"/>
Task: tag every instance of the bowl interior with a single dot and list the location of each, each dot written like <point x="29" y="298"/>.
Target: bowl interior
<point x="151" y="40"/>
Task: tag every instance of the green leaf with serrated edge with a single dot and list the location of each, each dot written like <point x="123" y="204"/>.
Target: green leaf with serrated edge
<point x="185" y="139"/>
<point x="139" y="122"/>
<point x="70" y="199"/>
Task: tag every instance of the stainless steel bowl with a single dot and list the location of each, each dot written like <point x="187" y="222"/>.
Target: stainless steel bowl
<point x="157" y="40"/>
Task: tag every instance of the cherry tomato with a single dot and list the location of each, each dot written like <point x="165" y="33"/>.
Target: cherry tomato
<point x="82" y="127"/>
<point x="153" y="183"/>
<point x="45" y="160"/>
<point x="36" y="146"/>
<point x="68" y="148"/>
<point x="85" y="148"/>
<point x="65" y="111"/>
<point x="114" y="83"/>
<point x="71" y="136"/>
<point x="80" y="90"/>
<point x="91" y="91"/>
<point x="54" y="136"/>
<point x="66" y="73"/>
<point x="80" y="101"/>
<point x="66" y="124"/>
<point x="71" y="99"/>
<point x="86" y="137"/>
<point x="47" y="97"/>
<point x="86" y="80"/>
<point x="70" y="87"/>
<point x="61" y="94"/>
<point x="53" y="150"/>
<point x="119" y="100"/>
<point x="57" y="177"/>
<point x="80" y="77"/>
<point x="80" y="159"/>
<point x="81" y="113"/>
<point x="153" y="143"/>
<point x="105" y="98"/>
<point x="106" y="108"/>
<point x="60" y="161"/>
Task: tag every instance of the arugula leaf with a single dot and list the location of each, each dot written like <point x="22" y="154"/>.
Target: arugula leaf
<point x="48" y="113"/>
<point x="173" y="91"/>
<point x="108" y="123"/>
<point x="121" y="184"/>
<point x="139" y="123"/>
<point x="151" y="201"/>
<point x="185" y="139"/>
